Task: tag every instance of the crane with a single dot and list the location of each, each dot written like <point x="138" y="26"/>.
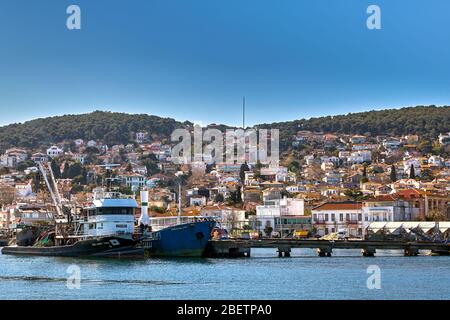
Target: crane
<point x="54" y="194"/>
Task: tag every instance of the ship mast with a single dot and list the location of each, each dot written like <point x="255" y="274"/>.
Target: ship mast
<point x="179" y="204"/>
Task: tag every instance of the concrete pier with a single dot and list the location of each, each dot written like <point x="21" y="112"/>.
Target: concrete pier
<point x="242" y="247"/>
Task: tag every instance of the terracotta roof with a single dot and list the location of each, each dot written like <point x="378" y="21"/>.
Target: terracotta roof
<point x="339" y="206"/>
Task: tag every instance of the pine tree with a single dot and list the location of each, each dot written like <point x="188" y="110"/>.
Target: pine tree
<point x="412" y="174"/>
<point x="364" y="175"/>
<point x="129" y="168"/>
<point x="393" y="174"/>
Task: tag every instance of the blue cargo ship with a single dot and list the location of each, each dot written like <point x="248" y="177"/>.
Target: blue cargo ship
<point x="181" y="240"/>
<point x="173" y="236"/>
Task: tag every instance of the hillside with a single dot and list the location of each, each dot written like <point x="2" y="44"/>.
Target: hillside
<point x="110" y="127"/>
<point x="426" y="121"/>
<point x="114" y="128"/>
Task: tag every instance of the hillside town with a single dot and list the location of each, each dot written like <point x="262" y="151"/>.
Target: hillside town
<point x="325" y="183"/>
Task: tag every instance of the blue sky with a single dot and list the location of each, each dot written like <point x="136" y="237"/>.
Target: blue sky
<point x="195" y="59"/>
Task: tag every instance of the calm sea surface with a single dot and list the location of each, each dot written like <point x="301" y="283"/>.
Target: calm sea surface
<point x="263" y="276"/>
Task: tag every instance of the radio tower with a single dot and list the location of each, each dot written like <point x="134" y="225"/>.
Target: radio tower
<point x="243" y="112"/>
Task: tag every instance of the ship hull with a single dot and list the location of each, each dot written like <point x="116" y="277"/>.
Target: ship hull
<point x="98" y="247"/>
<point x="184" y="240"/>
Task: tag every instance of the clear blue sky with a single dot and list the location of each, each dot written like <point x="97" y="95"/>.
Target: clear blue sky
<point x="195" y="59"/>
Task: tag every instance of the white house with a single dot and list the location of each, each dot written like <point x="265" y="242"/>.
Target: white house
<point x="134" y="181"/>
<point x="79" y="157"/>
<point x="92" y="143"/>
<point x="140" y="136"/>
<point x="436" y="160"/>
<point x="39" y="157"/>
<point x="12" y="157"/>
<point x="444" y="139"/>
<point x="23" y="190"/>
<point x="197" y="200"/>
<point x="78" y="142"/>
<point x="338" y="216"/>
<point x="54" y="151"/>
<point x="273" y="215"/>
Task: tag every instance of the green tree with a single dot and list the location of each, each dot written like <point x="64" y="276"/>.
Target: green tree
<point x="354" y="194"/>
<point x="393" y="174"/>
<point x="412" y="174"/>
<point x="25" y="164"/>
<point x="55" y="168"/>
<point x="75" y="169"/>
<point x="219" y="198"/>
<point x="364" y="174"/>
<point x="65" y="173"/>
<point x="244" y="168"/>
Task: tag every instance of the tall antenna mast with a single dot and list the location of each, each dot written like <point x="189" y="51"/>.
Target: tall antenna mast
<point x="243" y="112"/>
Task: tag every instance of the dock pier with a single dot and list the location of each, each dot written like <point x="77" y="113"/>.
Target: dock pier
<point x="242" y="247"/>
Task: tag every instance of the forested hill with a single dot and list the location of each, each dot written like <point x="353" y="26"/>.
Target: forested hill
<point x="109" y="127"/>
<point x="426" y="121"/>
<point x="116" y="128"/>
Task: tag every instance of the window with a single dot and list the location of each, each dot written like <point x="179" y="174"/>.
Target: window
<point x="333" y="217"/>
<point x="326" y="217"/>
<point x="341" y="217"/>
<point x="359" y="217"/>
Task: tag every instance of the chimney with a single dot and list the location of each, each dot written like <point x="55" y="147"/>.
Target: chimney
<point x="144" y="219"/>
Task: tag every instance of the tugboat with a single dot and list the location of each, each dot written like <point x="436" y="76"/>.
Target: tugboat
<point x="188" y="239"/>
<point x="105" y="228"/>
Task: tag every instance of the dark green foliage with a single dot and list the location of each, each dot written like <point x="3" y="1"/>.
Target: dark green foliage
<point x="244" y="167"/>
<point x="412" y="173"/>
<point x="25" y="164"/>
<point x="55" y="168"/>
<point x="65" y="173"/>
<point x="393" y="174"/>
<point x="235" y="197"/>
<point x="110" y="127"/>
<point x="426" y="121"/>
<point x="354" y="194"/>
<point x="120" y="128"/>
<point x="219" y="198"/>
